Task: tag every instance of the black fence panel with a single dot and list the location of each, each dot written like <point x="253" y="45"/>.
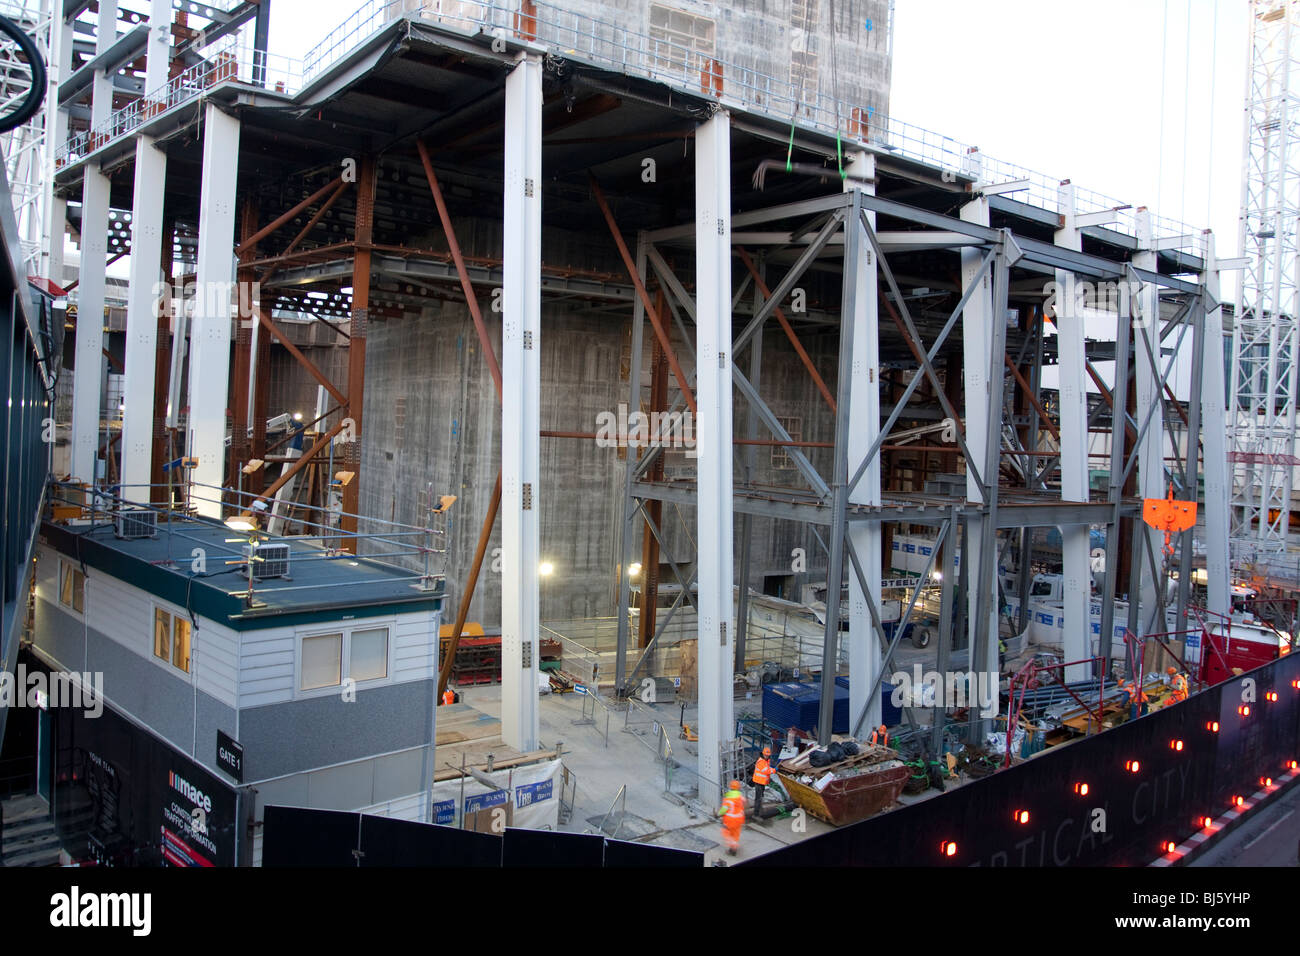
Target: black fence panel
<point x="1185" y="770"/>
<point x="552" y="848"/>
<point x="292" y="836"/>
<point x="620" y="853"/>
<point x="388" y="842"/>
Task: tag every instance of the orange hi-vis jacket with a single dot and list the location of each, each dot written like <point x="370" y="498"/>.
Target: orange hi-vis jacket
<point x="1136" y="693"/>
<point x="448" y="697"/>
<point x="763" y="771"/>
<point x="733" y="810"/>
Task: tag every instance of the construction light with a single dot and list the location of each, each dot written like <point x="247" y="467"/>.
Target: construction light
<point x="1169" y="846"/>
<point x="1292" y="765"/>
<point x="1295" y="684"/>
<point x="243" y="523"/>
<point x="1238" y="801"/>
<point x="1175" y="745"/>
<point x="1244" y="710"/>
<point x="1266" y="781"/>
<point x="633" y="570"/>
<point x="1020" y="816"/>
<point x="1271" y="697"/>
<point x="1212" y="726"/>
<point x="545" y="569"/>
<point x="1132" y="766"/>
<point x="1207" y="822"/>
<point x="948" y="848"/>
<point x="1081" y="789"/>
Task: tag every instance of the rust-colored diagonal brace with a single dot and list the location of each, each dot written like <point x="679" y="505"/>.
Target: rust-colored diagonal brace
<point x="484" y="536"/>
<point x="1029" y="394"/>
<point x="311" y="224"/>
<point x="494" y="366"/>
<point x="789" y="332"/>
<point x="660" y="332"/>
<point x="485" y="343"/>
<point x="302" y="359"/>
<point x="321" y="444"/>
<point x="275" y="224"/>
<point x="1105" y="394"/>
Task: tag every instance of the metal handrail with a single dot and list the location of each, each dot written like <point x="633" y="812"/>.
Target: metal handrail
<point x="568" y="34"/>
<point x="622" y="814"/>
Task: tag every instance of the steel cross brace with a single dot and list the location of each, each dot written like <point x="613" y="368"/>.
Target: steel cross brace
<point x="915" y="342"/>
<point x="916" y="376"/>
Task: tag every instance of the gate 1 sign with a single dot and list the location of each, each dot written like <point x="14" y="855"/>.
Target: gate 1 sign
<point x="230" y="756"/>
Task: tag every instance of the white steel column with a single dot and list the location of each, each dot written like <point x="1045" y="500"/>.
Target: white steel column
<point x="146" y="272"/>
<point x="713" y="395"/>
<point x="521" y="398"/>
<point x="214" y="285"/>
<point x="864" y="426"/>
<point x="1152" y="482"/>
<point x="88" y="376"/>
<point x="1214" y="441"/>
<point x="1072" y="372"/>
<point x="54" y="215"/>
<point x="977" y="336"/>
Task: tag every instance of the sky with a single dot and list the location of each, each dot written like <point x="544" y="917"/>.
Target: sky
<point x="1119" y="96"/>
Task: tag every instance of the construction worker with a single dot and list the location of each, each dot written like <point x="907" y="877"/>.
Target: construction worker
<point x="1169" y="676"/>
<point x="1137" y="699"/>
<point x="880" y="737"/>
<point x="733" y="817"/>
<point x="448" y="697"/>
<point x="762" y="777"/>
<point x="1179" y="684"/>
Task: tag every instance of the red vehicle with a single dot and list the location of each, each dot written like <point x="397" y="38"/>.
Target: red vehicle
<point x="1247" y="644"/>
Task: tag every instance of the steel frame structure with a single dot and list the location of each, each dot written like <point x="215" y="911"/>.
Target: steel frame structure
<point x="1009" y="458"/>
<point x="1266" y="330"/>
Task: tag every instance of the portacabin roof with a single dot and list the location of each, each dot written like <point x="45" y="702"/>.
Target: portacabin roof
<point x="322" y="584"/>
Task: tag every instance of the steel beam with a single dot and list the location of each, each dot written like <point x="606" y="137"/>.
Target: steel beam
<point x="209" y="378"/>
<point x="143" y="297"/>
<point x="714" y="504"/>
<point x="363" y="237"/>
<point x="1150" y="411"/>
<point x="860" y="310"/>
<point x="1075" y="540"/>
<point x="520" y="403"/>
<point x="1214" y="425"/>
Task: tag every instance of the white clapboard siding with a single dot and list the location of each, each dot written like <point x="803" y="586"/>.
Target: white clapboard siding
<point x="415" y="647"/>
<point x="122" y="613"/>
<point x="215" y="652"/>
<point x="266" y="667"/>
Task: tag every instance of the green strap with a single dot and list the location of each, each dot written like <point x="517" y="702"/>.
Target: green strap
<point x="839" y="151"/>
<point x="790" y="150"/>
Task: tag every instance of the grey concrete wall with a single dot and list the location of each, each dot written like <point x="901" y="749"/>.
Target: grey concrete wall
<point x="432" y="425"/>
<point x="313" y="732"/>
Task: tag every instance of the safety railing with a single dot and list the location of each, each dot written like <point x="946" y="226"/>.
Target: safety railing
<point x="570" y="34"/>
<point x="620" y="797"/>
<point x="387" y="543"/>
<point x="595" y="714"/>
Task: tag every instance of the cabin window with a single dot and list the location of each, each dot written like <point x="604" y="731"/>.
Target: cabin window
<point x="162" y="634"/>
<point x="368" y="656"/>
<point x="181" y="643"/>
<point x="72" y="586"/>
<point x="322" y="661"/>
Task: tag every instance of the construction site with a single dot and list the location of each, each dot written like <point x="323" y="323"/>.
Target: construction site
<point x="515" y="422"/>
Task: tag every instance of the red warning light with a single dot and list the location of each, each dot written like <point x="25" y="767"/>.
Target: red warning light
<point x="1207" y="822"/>
<point x="1271" y="696"/>
<point x="1238" y="801"/>
<point x="1244" y="710"/>
<point x="1292" y="765"/>
<point x="948" y="848"/>
<point x="1169" y="846"/>
<point x="1266" y="781"/>
<point x="1212" y="726"/>
<point x="1132" y="766"/>
<point x="1175" y="745"/>
<point x="1081" y="789"/>
<point x="1020" y="816"/>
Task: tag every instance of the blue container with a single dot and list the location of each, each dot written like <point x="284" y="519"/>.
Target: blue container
<point x="890" y="715"/>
